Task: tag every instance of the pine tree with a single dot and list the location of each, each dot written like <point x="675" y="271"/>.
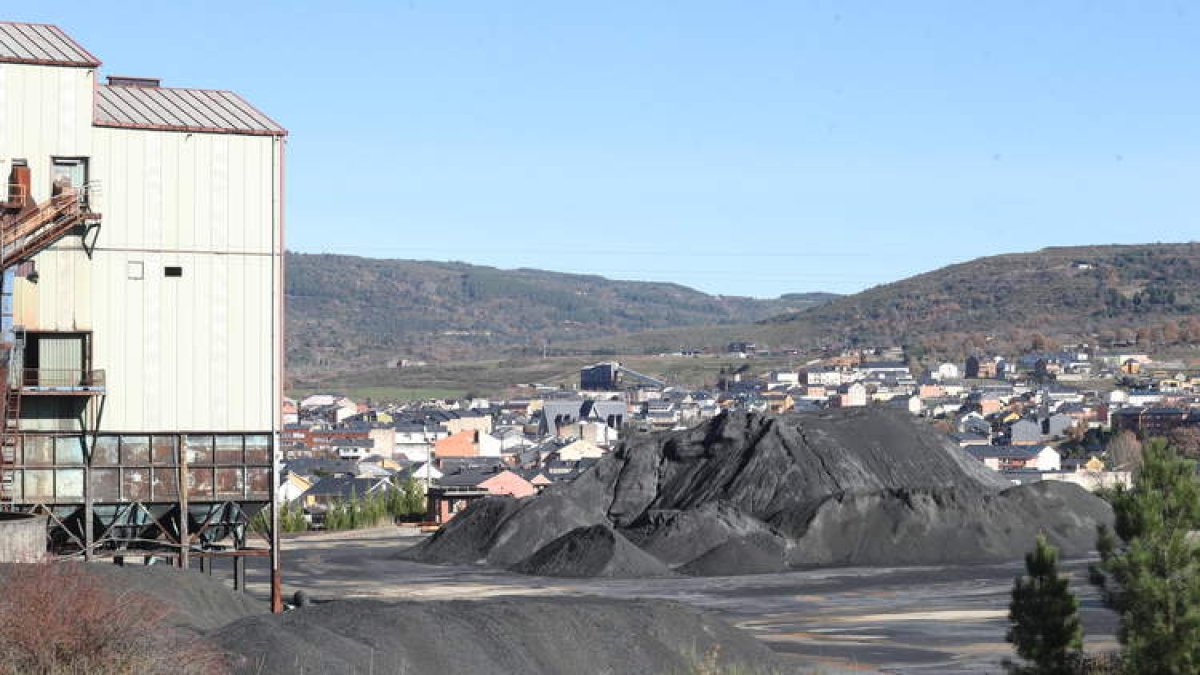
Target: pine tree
<point x="1044" y="616"/>
<point x="1149" y="570"/>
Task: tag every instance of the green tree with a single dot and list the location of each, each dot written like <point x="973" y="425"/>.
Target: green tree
<point x="291" y="519"/>
<point x="1044" y="616"/>
<point x="1149" y="570"/>
<point x="414" y="497"/>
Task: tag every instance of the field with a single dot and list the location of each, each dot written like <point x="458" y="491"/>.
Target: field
<point x="505" y="377"/>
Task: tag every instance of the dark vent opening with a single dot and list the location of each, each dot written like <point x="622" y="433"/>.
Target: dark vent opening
<point x="173" y="271"/>
<point x="120" y="81"/>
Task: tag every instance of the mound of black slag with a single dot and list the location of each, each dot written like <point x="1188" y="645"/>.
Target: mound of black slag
<point x="747" y="493"/>
<point x="494" y="637"/>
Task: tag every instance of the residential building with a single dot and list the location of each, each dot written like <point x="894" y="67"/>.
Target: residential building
<point x="461" y="444"/>
<point x="980" y="367"/>
<point x="1025" y="432"/>
<point x="455" y="491"/>
<point x="332" y="489"/>
<point x="852" y="395"/>
<point x="1149" y="422"/>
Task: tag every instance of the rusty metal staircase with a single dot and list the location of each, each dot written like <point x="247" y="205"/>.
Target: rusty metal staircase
<point x="26" y="229"/>
<point x="8" y="441"/>
<point x="10" y="433"/>
<point x="26" y="233"/>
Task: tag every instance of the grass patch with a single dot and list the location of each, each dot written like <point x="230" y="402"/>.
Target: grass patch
<point x="498" y="377"/>
<point x="378" y="393"/>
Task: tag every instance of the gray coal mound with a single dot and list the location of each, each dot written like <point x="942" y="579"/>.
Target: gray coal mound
<point x="468" y="539"/>
<point x="880" y="528"/>
<point x="593" y="551"/>
<point x="748" y="493"/>
<point x="493" y="636"/>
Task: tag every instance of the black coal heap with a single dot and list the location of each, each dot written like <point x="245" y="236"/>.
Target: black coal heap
<point x="746" y="493"/>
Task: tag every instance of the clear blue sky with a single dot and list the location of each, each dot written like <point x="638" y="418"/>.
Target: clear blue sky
<point x="749" y="148"/>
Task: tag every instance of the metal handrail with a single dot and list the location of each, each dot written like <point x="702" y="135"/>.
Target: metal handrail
<point x="62" y="377"/>
<point x="23" y="198"/>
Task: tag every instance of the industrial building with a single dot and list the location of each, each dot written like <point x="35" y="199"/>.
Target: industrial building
<point x="142" y="252"/>
<point x="610" y="376"/>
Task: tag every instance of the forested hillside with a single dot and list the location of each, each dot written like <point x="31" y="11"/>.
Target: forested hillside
<point x="1147" y="295"/>
<point x="348" y="312"/>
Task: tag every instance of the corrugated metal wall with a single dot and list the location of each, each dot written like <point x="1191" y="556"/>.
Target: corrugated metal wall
<point x="60" y="353"/>
<point x="193" y="352"/>
<point x="44" y="112"/>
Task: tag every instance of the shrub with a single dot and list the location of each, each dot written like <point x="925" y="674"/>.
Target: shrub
<point x="291" y="519"/>
<point x="57" y="619"/>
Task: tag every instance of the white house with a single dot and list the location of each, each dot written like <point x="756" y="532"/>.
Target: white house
<point x="853" y="395"/>
<point x="826" y="377"/>
<point x="915" y="406"/>
<point x="946" y="371"/>
<point x="1046" y="458"/>
<point x="785" y="377"/>
<point x="318" y="401"/>
<point x="415" y="440"/>
<point x="427" y="473"/>
<point x="489" y="445"/>
<point x="578" y="450"/>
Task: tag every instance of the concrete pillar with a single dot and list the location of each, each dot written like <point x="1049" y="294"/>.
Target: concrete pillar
<point x="22" y="537"/>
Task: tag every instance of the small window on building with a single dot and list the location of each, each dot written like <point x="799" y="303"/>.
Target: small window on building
<point x="173" y="271"/>
<point x="69" y="173"/>
<point x="135" y="269"/>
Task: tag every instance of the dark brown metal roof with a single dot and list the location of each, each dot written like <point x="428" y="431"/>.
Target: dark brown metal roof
<point x="41" y="44"/>
<point x="169" y="109"/>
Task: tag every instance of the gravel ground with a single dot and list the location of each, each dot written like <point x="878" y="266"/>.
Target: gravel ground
<point x="933" y="619"/>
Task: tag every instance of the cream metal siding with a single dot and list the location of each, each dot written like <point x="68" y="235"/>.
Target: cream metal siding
<point x="195" y="353"/>
<point x="198" y="352"/>
<point x="185" y="191"/>
<point x="45" y="112"/>
<point x="188" y="353"/>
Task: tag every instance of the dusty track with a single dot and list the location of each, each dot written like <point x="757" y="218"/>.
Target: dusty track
<point x="944" y="619"/>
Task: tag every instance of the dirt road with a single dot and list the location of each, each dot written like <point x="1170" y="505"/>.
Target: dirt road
<point x="928" y="619"/>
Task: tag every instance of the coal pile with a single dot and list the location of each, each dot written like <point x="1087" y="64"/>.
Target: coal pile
<point x="748" y="493"/>
<point x="493" y="637"/>
<point x="500" y="636"/>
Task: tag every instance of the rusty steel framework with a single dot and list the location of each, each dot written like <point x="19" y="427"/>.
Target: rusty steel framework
<point x="173" y="495"/>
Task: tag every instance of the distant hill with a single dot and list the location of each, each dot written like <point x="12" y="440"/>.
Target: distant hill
<point x="346" y="312"/>
<point x="1145" y="294"/>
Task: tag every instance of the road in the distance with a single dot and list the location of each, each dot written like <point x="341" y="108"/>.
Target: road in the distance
<point x="926" y="620"/>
